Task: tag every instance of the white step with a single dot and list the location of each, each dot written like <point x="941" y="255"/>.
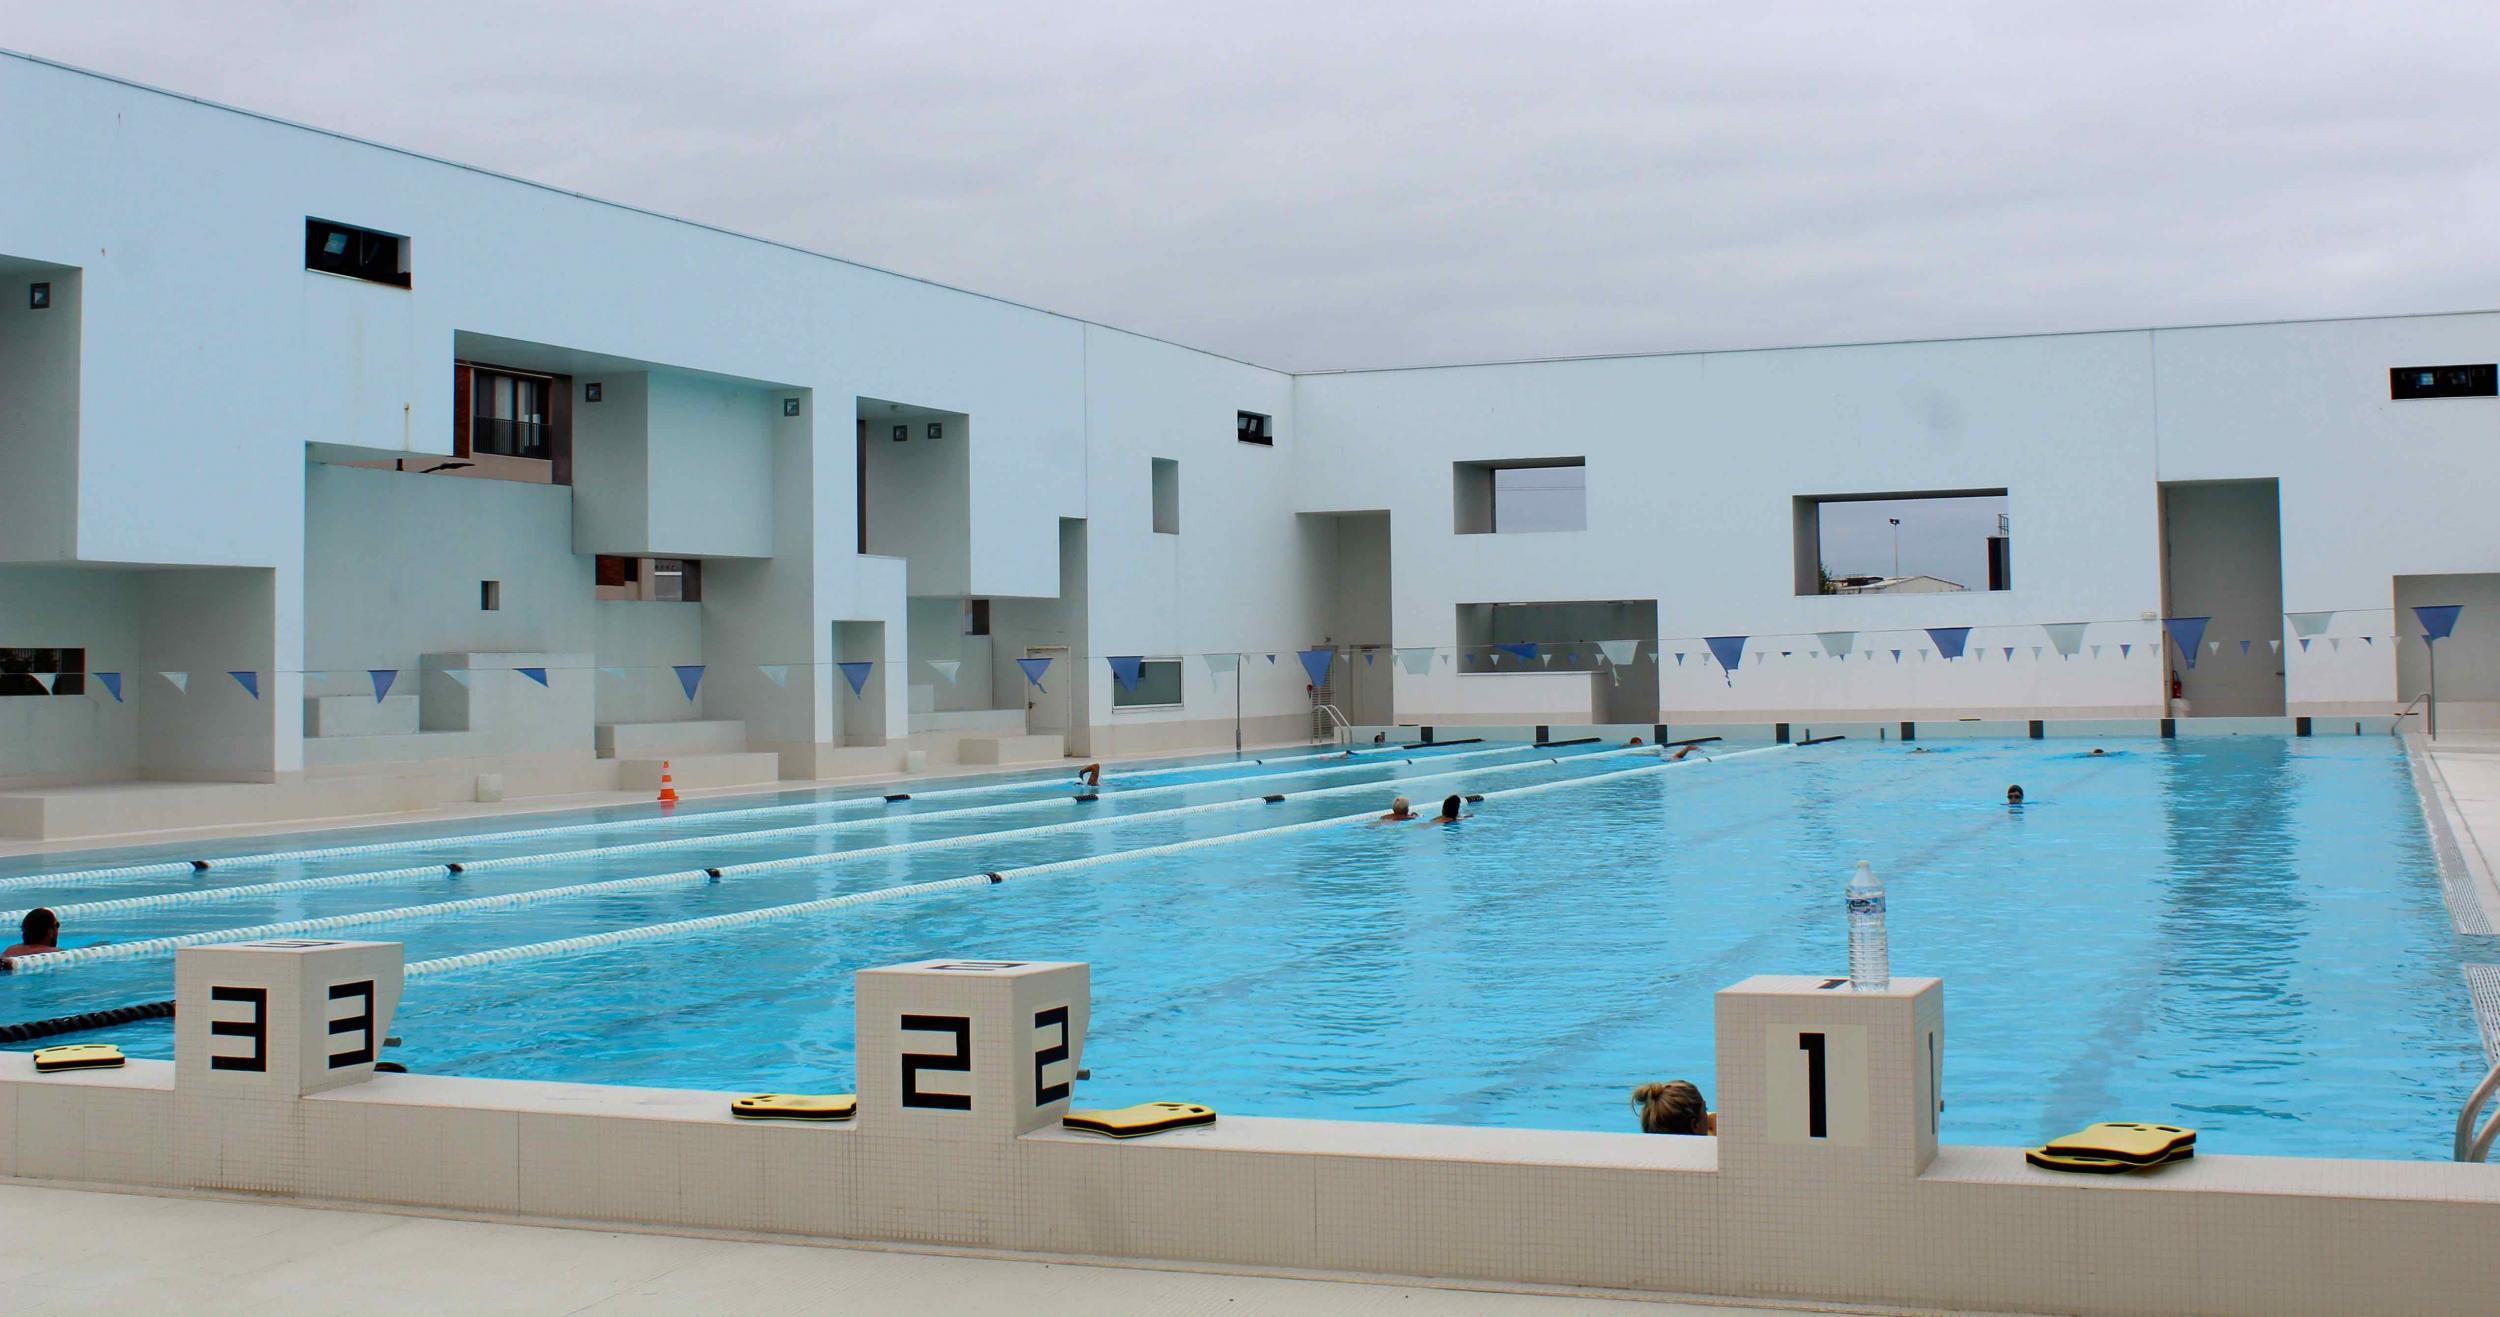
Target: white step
<point x="1011" y="749"/>
<point x="690" y="771"/>
<point x="686" y="737"/>
<point x="360" y="715"/>
<point x="996" y="722"/>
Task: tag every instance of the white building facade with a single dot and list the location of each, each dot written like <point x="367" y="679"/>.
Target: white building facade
<point x="383" y="481"/>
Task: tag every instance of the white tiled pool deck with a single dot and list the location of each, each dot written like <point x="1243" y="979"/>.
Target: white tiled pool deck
<point x="85" y="1251"/>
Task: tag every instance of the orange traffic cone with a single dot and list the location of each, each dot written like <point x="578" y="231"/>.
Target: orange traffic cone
<point x="668" y="785"/>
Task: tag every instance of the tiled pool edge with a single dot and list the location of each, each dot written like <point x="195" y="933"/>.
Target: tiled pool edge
<point x="1750" y="1214"/>
<point x="2465" y="876"/>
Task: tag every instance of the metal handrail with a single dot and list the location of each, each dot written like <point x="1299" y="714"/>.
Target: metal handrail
<point x="2473" y="1145"/>
<point x="1345" y="730"/>
<point x="2396" y="728"/>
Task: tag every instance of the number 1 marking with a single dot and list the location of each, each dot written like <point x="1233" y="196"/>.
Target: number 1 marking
<point x="1817" y="1114"/>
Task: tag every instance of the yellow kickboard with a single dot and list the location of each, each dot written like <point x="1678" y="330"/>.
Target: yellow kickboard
<point x="2125" y="1141"/>
<point x="2050" y="1161"/>
<point x="1143" y="1119"/>
<point x="795" y="1106"/>
<point x="77" y="1056"/>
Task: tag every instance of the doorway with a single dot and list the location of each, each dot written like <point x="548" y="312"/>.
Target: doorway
<point x="2222" y="558"/>
<point x="1046" y="705"/>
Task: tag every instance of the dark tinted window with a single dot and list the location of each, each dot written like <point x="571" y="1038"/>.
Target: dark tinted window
<point x="366" y="254"/>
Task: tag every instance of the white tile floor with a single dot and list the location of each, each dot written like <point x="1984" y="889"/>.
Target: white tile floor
<point x="81" y="1251"/>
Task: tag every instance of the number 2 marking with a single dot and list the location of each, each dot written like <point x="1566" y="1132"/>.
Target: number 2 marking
<point x="958" y="1061"/>
<point x="1045" y="1092"/>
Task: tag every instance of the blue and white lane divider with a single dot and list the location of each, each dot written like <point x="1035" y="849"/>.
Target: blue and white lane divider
<point x="1058" y="789"/>
<point x="773" y="914"/>
<point x="366" y="878"/>
<point x="53" y="962"/>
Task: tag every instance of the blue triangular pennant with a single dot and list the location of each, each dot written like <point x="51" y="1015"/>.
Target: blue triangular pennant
<point x="2438" y="620"/>
<point x="1367" y="658"/>
<point x="1896" y="656"/>
<point x="112" y="682"/>
<point x="1729" y="650"/>
<point x="855" y="671"/>
<point x="1679" y="658"/>
<point x="249" y="681"/>
<point x="1521" y="650"/>
<point x="689" y="675"/>
<point x="2304" y="644"/>
<point x="1033" y="670"/>
<point x="1949" y="640"/>
<point x="2187" y="633"/>
<point x="2125" y="650"/>
<point x="1126" y="668"/>
<point x="2243" y="646"/>
<point x="382" y="679"/>
<point x="2009" y="653"/>
<point x="538" y="675"/>
<point x="1315" y="662"/>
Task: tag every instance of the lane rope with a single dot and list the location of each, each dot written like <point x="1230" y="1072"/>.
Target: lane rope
<point x="57" y="961"/>
<point x="373" y="877"/>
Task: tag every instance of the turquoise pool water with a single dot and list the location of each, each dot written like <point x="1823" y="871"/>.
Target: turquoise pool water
<point x="2246" y="935"/>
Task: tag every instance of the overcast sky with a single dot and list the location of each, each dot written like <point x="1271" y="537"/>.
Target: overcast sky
<point x="1329" y="185"/>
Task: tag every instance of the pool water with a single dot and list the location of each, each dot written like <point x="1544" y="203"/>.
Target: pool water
<point x="2246" y="935"/>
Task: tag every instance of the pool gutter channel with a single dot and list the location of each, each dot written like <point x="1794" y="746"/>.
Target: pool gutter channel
<point x="2465" y="876"/>
<point x="70" y="959"/>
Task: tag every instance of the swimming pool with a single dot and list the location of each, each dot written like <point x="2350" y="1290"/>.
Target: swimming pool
<point x="2242" y="934"/>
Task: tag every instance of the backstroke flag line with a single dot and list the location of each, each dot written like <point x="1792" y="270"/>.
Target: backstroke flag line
<point x="855" y="671"/>
<point x="2187" y="633"/>
<point x="1315" y="662"/>
<point x="1033" y="670"/>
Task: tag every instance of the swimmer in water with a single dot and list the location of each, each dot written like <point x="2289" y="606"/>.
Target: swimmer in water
<point x="1636" y="740"/>
<point x="2014" y="795"/>
<point x="2098" y="752"/>
<point x="1679" y="754"/>
<point x="1399" y="812"/>
<point x="1450" y="811"/>
<point x="1090" y="775"/>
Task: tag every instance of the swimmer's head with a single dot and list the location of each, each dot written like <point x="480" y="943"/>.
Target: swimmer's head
<point x="1399" y="805"/>
<point x="2014" y="795"/>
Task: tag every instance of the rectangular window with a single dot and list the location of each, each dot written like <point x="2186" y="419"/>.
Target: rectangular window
<point x="1521" y="497"/>
<point x="677" y="580"/>
<point x="23" y="671"/>
<point x="1252" y="428"/>
<point x="1917" y="542"/>
<point x="976" y="617"/>
<point x="508" y="413"/>
<point x="2444" y="382"/>
<point x="1158" y="687"/>
<point x="1167" y="495"/>
<point x="490" y="596"/>
<point x="368" y="254"/>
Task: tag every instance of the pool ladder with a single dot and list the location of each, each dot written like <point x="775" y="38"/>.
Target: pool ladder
<point x="1332" y="721"/>
<point x="2474" y="1145"/>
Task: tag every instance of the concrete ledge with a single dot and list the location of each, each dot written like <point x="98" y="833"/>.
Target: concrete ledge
<point x="1011" y="749"/>
<point x="359" y="715"/>
<point x="754" y="768"/>
<point x="688" y="737"/>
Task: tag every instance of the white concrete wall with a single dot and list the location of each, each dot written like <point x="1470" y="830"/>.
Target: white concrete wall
<point x="920" y="504"/>
<point x="711" y="455"/>
<point x="71" y="737"/>
<point x="39" y="376"/>
<point x="195" y="316"/>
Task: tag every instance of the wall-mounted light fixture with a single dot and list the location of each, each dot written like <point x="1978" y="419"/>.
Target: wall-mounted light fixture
<point x="789" y="406"/>
<point x="590" y="392"/>
<point x="902" y="434"/>
<point x="38" y="297"/>
<point x="937" y="429"/>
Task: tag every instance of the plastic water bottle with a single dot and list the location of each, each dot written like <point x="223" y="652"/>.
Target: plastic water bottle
<point x="1870" y="959"/>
